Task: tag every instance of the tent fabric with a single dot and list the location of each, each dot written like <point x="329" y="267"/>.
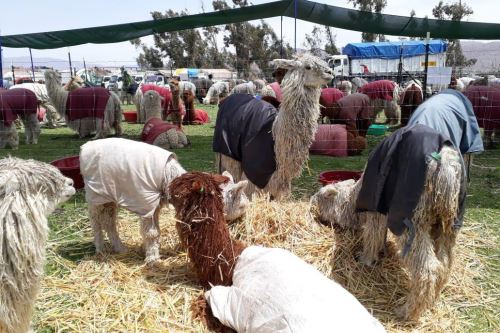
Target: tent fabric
<point x="393" y="50"/>
<point x="310" y="11"/>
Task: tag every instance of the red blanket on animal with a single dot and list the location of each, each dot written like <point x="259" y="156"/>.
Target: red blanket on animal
<point x="277" y="91"/>
<point x="327" y="100"/>
<point x="87" y="103"/>
<point x="410" y="99"/>
<point x="330" y="140"/>
<point x="486" y="104"/>
<point x="200" y="117"/>
<point x="355" y="112"/>
<point x="16" y="102"/>
<point x="153" y="128"/>
<point x="382" y="89"/>
<point x="166" y="103"/>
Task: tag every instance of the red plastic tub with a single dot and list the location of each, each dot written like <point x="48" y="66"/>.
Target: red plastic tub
<point x="130" y="116"/>
<point x="335" y="176"/>
<point x="70" y="167"/>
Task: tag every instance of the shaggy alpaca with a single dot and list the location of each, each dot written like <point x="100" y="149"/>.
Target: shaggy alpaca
<point x="299" y="112"/>
<point x="193" y="116"/>
<point x="216" y="91"/>
<point x="257" y="289"/>
<point x="243" y="88"/>
<point x="428" y="256"/>
<point x="74" y="83"/>
<point x="29" y="192"/>
<point x="148" y="170"/>
<point x="384" y="95"/>
<point x="52" y="117"/>
<point x="411" y="98"/>
<point x="14" y="103"/>
<point x="86" y="110"/>
<point x="327" y="100"/>
<point x="156" y="131"/>
<point x="164" y="92"/>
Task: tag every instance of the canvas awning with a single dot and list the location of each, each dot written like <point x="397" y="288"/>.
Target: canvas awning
<point x="393" y="50"/>
<point x="302" y="9"/>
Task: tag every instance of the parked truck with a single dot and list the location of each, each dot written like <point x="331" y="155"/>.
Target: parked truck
<point x="383" y="59"/>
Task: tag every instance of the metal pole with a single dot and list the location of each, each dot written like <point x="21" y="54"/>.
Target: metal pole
<point x="1" y="67"/>
<point x="295" y="35"/>
<point x="281" y="37"/>
<point x="70" y="65"/>
<point x="85" y="68"/>
<point x="13" y="72"/>
<point x="426" y="63"/>
<point x="32" y="66"/>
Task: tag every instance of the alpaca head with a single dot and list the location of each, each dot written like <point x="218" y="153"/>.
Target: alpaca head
<point x="40" y="183"/>
<point x="312" y="71"/>
<point x="235" y="199"/>
<point x="152" y="100"/>
<point x="331" y="203"/>
<point x="174" y="86"/>
<point x="53" y="76"/>
<point x="75" y="83"/>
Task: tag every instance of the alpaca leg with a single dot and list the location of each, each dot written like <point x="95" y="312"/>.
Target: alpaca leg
<point x="108" y="222"/>
<point x="374" y="229"/>
<point x="427" y="275"/>
<point x="150" y="231"/>
<point x="96" y="216"/>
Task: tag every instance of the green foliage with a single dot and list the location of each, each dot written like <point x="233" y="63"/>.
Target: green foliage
<point x="321" y="40"/>
<point x="375" y="6"/>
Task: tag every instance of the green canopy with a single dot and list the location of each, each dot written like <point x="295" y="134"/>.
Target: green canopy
<point x="305" y="10"/>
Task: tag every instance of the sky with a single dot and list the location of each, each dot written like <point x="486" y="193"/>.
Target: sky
<point x="27" y="16"/>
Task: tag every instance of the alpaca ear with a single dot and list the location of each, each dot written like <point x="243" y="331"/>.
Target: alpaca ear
<point x="228" y="175"/>
<point x="241" y="186"/>
<point x="286" y="64"/>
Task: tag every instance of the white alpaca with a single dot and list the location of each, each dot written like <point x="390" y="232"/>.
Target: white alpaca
<point x="87" y="125"/>
<point x="186" y="85"/>
<point x="259" y="85"/>
<point x="345" y="87"/>
<point x="156" y="131"/>
<point x="430" y="255"/>
<point x="244" y="88"/>
<point x="52" y="117"/>
<point x="294" y="127"/>
<point x="149" y="170"/>
<point x="357" y="83"/>
<point x="29" y="192"/>
<point x="215" y="92"/>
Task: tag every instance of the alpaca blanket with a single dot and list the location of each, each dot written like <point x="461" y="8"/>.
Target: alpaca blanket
<point x="330" y="140"/>
<point x="87" y="103"/>
<point x="200" y="117"/>
<point x="129" y="173"/>
<point x="451" y="114"/>
<point x="394" y="176"/>
<point x="356" y="112"/>
<point x="243" y="132"/>
<point x="411" y="98"/>
<point x="39" y="89"/>
<point x="381" y="89"/>
<point x="275" y="291"/>
<point x="275" y="86"/>
<point x="153" y="128"/>
<point x="16" y="102"/>
<point x="486" y="103"/>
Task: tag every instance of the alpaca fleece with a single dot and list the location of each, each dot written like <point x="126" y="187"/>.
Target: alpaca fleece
<point x="105" y="164"/>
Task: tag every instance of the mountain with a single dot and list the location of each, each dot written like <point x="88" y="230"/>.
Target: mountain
<point x="59" y="64"/>
<point x="487" y="55"/>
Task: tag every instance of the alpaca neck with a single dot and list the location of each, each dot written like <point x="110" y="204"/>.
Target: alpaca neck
<point x="189" y="104"/>
<point x="295" y="126"/>
<point x="57" y="95"/>
<point x="209" y="245"/>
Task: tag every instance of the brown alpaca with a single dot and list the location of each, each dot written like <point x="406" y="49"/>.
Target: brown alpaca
<point x="202" y="229"/>
<point x="177" y="110"/>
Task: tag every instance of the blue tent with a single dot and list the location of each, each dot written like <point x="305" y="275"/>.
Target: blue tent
<point x="392" y="50"/>
<point x="193" y="72"/>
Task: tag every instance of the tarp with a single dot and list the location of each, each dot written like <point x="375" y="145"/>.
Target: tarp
<point x="392" y="50"/>
<point x="190" y="72"/>
<point x="306" y="10"/>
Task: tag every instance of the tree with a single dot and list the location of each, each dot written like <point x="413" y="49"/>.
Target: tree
<point x="150" y="57"/>
<point x="321" y="40"/>
<point x="370" y="6"/>
<point x="455" y="12"/>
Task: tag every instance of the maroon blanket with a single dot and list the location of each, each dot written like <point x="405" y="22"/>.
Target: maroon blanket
<point x="87" y="103"/>
<point x="410" y="99"/>
<point x="329" y="96"/>
<point x="355" y="112"/>
<point x="153" y="128"/>
<point x="330" y="140"/>
<point x="277" y="91"/>
<point x="201" y="117"/>
<point x="486" y="103"/>
<point x="16" y="102"/>
<point x="381" y="89"/>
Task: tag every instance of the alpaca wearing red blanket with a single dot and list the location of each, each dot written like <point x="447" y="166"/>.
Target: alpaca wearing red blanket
<point x="257" y="289"/>
<point x="193" y="116"/>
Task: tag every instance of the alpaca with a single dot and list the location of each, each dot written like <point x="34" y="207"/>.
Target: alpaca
<point x="426" y="246"/>
<point x="156" y="131"/>
<point x="193" y="116"/>
<point x="411" y="98"/>
<point x="327" y="99"/>
<point x="345" y="87"/>
<point x="164" y="92"/>
<point x="176" y="109"/>
<point x="259" y="85"/>
<point x="148" y="170"/>
<point x="14" y="103"/>
<point x="253" y="288"/>
<point x="29" y="192"/>
<point x="74" y="83"/>
<point x="384" y="95"/>
<point x="217" y="90"/>
<point x="86" y="110"/>
<point x="357" y="83"/>
<point x="202" y="86"/>
<point x="187" y="86"/>
<point x="486" y="103"/>
<point x="299" y="112"/>
<point x="244" y="88"/>
<point x="53" y="119"/>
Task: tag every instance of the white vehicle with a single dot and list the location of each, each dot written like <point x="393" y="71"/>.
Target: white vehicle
<point x="155" y="78"/>
<point x="115" y="83"/>
<point x="383" y="58"/>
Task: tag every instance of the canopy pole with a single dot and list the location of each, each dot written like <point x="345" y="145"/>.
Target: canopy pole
<point x="70" y="65"/>
<point x="32" y="66"/>
<point x="1" y="66"/>
<point x="85" y="68"/>
<point x="426" y="63"/>
<point x="13" y="72"/>
<point x="281" y="38"/>
<point x="295" y="16"/>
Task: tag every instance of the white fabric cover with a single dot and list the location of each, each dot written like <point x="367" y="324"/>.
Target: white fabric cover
<point x="37" y="88"/>
<point x="129" y="173"/>
<point x="275" y="291"/>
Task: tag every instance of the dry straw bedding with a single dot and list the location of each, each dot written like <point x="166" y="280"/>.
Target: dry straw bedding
<point x="118" y="293"/>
